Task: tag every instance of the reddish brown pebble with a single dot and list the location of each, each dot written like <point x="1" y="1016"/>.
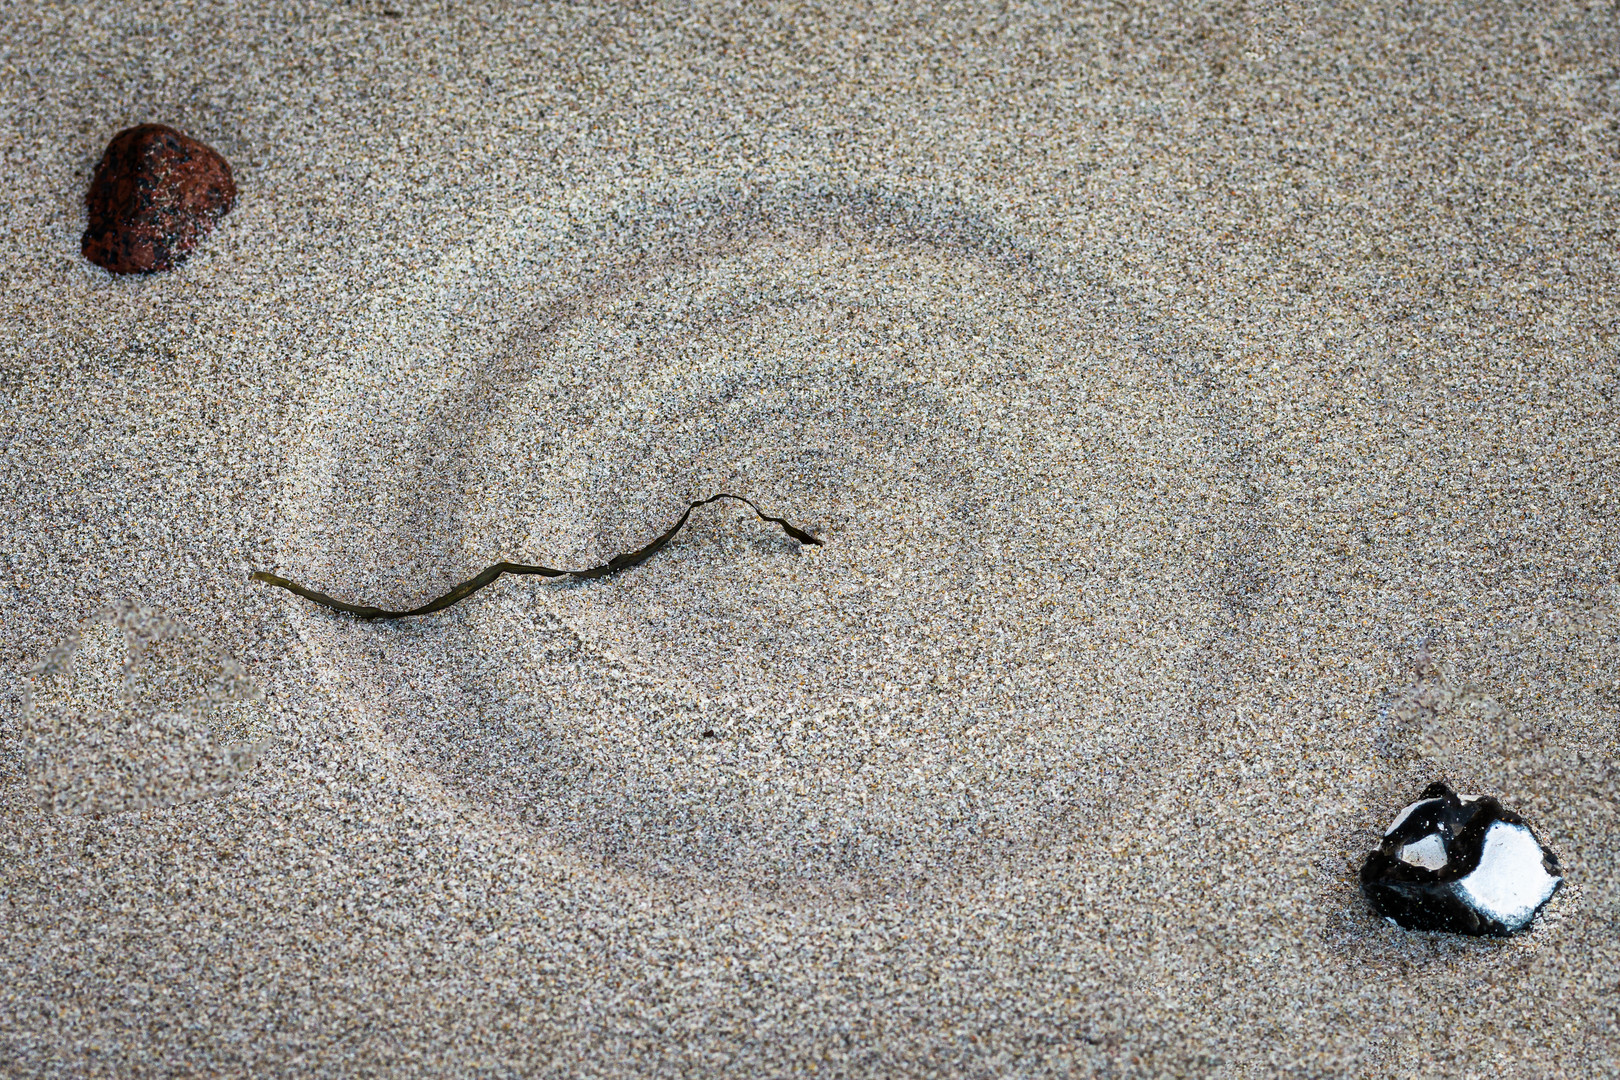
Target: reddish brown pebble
<point x="154" y="195"/>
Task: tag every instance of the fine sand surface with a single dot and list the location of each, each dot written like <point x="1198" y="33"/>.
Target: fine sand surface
<point x="1212" y="417"/>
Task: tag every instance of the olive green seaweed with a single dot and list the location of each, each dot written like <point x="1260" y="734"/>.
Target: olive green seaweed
<point x="467" y="588"/>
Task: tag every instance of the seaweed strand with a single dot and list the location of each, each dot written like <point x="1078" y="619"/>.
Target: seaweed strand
<point x="619" y="562"/>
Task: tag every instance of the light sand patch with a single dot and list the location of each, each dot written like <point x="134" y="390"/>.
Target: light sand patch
<point x="134" y="712"/>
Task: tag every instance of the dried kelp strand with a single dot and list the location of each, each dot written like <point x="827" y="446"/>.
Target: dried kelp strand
<point x="467" y="588"/>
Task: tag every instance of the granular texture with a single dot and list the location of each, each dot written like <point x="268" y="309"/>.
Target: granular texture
<point x="1160" y="378"/>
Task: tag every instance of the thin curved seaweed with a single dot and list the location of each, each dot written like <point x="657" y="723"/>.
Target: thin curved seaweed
<point x="467" y="588"/>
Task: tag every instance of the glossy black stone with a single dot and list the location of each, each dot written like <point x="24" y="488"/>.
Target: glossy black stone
<point x="1425" y="897"/>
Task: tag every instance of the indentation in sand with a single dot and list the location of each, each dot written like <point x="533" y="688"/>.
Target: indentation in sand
<point x="1016" y="515"/>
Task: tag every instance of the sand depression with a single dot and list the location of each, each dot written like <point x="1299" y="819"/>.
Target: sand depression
<point x="1016" y="506"/>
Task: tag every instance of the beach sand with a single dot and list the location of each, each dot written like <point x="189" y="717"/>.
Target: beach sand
<point x="1209" y="415"/>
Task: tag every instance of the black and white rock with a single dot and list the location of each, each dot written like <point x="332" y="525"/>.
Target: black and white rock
<point x="1463" y="865"/>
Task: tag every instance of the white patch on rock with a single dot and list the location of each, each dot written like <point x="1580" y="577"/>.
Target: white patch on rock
<point x="1406" y="813"/>
<point x="1510" y="882"/>
<point x="1429" y="852"/>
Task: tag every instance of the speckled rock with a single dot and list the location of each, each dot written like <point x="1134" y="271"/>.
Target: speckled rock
<point x="155" y="193"/>
<point x="1463" y="865"/>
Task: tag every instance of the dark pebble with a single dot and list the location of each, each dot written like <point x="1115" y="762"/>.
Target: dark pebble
<point x="154" y="195"/>
<point x="1460" y="865"/>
